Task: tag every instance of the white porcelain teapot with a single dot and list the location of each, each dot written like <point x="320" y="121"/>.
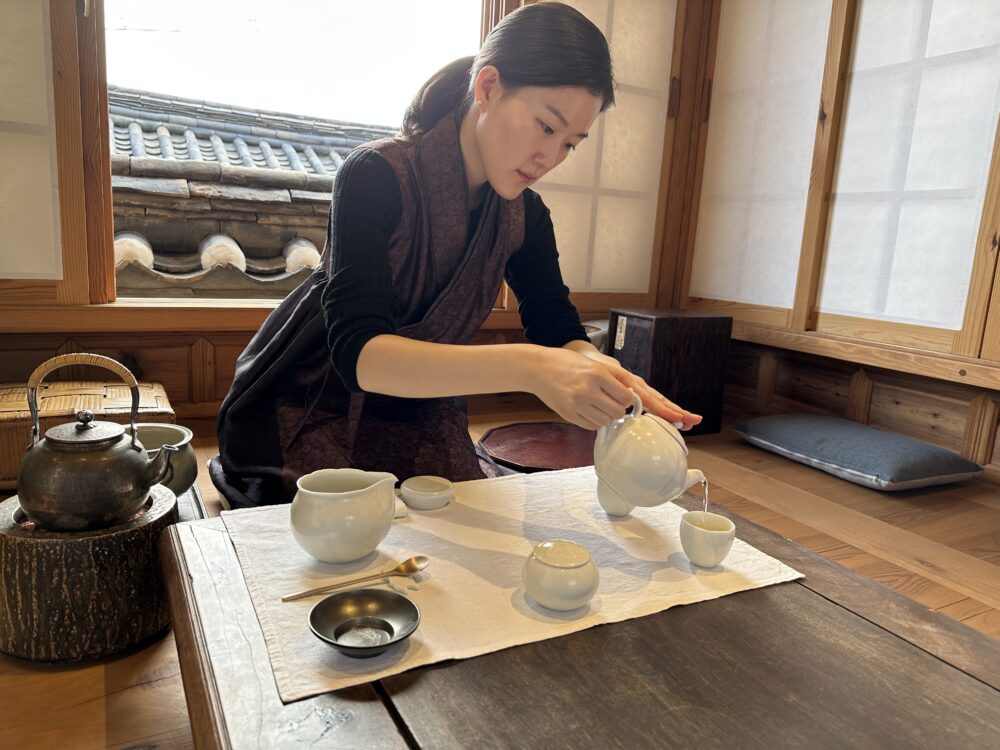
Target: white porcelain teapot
<point x="640" y="460"/>
<point x="340" y="515"/>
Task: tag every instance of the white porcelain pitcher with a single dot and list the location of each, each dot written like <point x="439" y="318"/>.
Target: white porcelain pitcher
<point x="340" y="515"/>
<point x="641" y="460"/>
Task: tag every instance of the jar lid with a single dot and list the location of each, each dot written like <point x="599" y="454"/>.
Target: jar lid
<point x="426" y="492"/>
<point x="561" y="553"/>
<point x="85" y="431"/>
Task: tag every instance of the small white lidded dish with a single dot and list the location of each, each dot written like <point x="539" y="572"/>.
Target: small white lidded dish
<point x="559" y="574"/>
<point x="426" y="492"/>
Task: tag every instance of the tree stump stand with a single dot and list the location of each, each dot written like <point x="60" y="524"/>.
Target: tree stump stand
<point x="82" y="595"/>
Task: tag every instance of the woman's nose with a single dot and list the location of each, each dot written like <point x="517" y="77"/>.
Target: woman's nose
<point x="548" y="156"/>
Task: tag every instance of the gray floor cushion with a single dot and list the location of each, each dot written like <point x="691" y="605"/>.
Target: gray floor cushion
<point x="855" y="452"/>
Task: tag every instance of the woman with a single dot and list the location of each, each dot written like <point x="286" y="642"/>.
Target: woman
<point x="360" y="365"/>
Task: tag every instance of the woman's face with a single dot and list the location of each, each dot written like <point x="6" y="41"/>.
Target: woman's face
<point x="524" y="134"/>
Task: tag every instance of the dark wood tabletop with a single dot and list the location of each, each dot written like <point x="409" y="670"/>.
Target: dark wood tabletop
<point x="832" y="660"/>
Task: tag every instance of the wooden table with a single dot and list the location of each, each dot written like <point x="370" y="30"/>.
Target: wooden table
<point x="833" y="660"/>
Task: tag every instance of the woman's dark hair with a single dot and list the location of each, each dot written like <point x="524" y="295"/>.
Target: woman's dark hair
<point x="543" y="44"/>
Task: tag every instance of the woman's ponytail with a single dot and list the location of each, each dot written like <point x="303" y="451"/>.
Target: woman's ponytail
<point x="442" y="93"/>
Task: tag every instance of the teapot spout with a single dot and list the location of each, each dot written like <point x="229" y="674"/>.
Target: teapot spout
<point x="693" y="477"/>
<point x="159" y="469"/>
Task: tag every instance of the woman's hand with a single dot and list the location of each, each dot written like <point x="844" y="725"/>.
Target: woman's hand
<point x="652" y="400"/>
<point x="581" y="390"/>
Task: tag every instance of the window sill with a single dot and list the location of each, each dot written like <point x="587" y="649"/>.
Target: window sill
<point x="981" y="373"/>
<point x="163" y="315"/>
<point x="157" y="315"/>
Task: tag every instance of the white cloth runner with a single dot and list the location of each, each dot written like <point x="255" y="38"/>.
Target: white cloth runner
<point x="470" y="597"/>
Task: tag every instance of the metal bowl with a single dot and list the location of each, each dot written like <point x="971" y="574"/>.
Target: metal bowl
<point x="364" y="622"/>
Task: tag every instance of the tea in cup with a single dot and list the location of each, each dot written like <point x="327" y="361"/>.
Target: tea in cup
<point x="706" y="537"/>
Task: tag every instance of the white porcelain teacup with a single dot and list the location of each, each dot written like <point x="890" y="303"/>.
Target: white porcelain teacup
<point x="706" y="538"/>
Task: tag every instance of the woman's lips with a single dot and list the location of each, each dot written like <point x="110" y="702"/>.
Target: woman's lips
<point x="525" y="177"/>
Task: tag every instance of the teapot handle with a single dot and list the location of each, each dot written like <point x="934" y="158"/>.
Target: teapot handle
<point x="93" y="360"/>
<point x="636" y="405"/>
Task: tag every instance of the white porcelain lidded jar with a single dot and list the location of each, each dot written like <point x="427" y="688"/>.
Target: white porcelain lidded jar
<point x="560" y="574"/>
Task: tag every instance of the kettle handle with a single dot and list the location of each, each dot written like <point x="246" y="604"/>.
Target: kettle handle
<point x="93" y="360"/>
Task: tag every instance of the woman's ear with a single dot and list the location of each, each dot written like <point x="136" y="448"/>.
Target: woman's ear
<point x="488" y="88"/>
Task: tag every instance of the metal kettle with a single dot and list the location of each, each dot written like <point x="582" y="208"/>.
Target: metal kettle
<point x="90" y="474"/>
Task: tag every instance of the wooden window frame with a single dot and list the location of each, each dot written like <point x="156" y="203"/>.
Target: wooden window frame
<point x="966" y="355"/>
<point x="85" y="299"/>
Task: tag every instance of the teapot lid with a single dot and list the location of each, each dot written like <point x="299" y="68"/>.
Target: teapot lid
<point x="85" y="431"/>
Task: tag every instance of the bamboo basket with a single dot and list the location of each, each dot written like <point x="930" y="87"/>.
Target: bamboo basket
<point x="58" y="402"/>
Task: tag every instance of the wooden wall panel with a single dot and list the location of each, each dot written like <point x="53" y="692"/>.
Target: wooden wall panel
<point x="993" y="468"/>
<point x="22" y="354"/>
<point x="227" y="349"/>
<point x="958" y="417"/>
<point x="859" y="396"/>
<point x="922" y="414"/>
<point x="818" y="383"/>
<point x="742" y="366"/>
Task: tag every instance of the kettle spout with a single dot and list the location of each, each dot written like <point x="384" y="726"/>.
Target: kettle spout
<point x="159" y="470"/>
<point x="693" y="477"/>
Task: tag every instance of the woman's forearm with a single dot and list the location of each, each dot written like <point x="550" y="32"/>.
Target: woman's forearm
<point x="398" y="366"/>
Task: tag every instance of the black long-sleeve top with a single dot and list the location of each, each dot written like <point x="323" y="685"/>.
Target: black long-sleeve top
<point x="358" y="302"/>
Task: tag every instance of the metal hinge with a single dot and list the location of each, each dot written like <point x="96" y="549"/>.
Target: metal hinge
<point x="85" y="6"/>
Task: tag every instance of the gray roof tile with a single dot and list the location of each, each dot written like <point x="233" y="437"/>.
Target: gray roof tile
<point x="169" y="127"/>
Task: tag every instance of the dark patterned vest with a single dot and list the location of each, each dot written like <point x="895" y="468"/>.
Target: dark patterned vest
<point x="288" y="413"/>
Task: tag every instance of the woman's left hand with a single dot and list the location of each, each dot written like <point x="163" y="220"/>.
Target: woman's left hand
<point x="652" y="400"/>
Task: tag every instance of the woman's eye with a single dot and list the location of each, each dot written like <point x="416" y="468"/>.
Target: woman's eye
<point x="571" y="146"/>
<point x="547" y="130"/>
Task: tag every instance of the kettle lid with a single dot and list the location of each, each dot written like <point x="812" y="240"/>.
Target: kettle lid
<point x="85" y="431"/>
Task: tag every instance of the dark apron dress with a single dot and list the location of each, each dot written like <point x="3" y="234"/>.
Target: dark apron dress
<point x="288" y="413"/>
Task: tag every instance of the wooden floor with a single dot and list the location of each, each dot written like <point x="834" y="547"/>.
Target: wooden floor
<point x="939" y="546"/>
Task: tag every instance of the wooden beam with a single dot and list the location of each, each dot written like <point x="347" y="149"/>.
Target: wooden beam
<point x="661" y="261"/>
<point x="694" y="47"/>
<point x="981" y="429"/>
<point x="97" y="156"/>
<point x="74" y="289"/>
<point x="202" y="371"/>
<point x="982" y="314"/>
<point x="885" y="332"/>
<point x="767" y="378"/>
<point x="949" y="367"/>
<point x="859" y="397"/>
<point x="824" y="161"/>
<point x="991" y="334"/>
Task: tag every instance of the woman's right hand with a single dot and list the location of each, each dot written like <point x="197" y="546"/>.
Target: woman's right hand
<point x="579" y="389"/>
